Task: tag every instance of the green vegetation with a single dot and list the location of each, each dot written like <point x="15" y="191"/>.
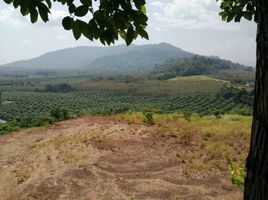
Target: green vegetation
<point x="59" y="113"/>
<point x="108" y="21"/>
<point x="206" y="144"/>
<point x="31" y="104"/>
<point x="148" y="118"/>
<point x="195" y="78"/>
<point x="202" y="65"/>
<point x="41" y="101"/>
<point x="237" y="172"/>
<point x="56" y="114"/>
<point x="59" y="88"/>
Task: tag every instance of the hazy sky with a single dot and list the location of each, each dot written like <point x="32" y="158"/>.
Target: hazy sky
<point x="193" y="25"/>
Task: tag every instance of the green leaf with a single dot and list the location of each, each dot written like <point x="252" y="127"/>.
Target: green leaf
<point x="86" y="2"/>
<point x="247" y="15"/>
<point x="123" y="35"/>
<point x="130" y="36"/>
<point x="108" y="35"/>
<point x="81" y="11"/>
<point x="94" y="28"/>
<point x="85" y="28"/>
<point x="16" y="3"/>
<point x="8" y="1"/>
<point x="250" y="7"/>
<point x="143" y="9"/>
<point x="24" y="8"/>
<point x="143" y="33"/>
<point x="49" y="3"/>
<point x="43" y="11"/>
<point x="238" y="17"/>
<point x="33" y="15"/>
<point x="67" y="23"/>
<point x="230" y="17"/>
<point x="139" y="3"/>
<point x="76" y="30"/>
<point x="71" y="8"/>
<point x="141" y="19"/>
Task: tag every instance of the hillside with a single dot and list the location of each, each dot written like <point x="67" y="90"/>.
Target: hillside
<point x="139" y="59"/>
<point x="203" y="65"/>
<point x="120" y="158"/>
<point x="156" y="61"/>
<point x="98" y="58"/>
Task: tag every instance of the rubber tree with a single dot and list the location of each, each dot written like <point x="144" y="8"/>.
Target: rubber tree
<point x="256" y="181"/>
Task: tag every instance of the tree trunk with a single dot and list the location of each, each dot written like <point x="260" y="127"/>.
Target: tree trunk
<point x="256" y="182"/>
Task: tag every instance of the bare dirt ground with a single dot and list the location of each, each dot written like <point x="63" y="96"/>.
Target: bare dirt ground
<point x="98" y="158"/>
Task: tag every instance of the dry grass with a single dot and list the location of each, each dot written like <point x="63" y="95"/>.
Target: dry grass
<point x="206" y="140"/>
<point x="118" y="157"/>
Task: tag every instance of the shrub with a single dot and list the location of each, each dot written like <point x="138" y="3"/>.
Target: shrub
<point x="187" y="116"/>
<point x="237" y="172"/>
<point x="218" y="113"/>
<point x="59" y="113"/>
<point x="59" y="88"/>
<point x="8" y="127"/>
<point x="148" y="118"/>
<point x="42" y="121"/>
<point x="247" y="111"/>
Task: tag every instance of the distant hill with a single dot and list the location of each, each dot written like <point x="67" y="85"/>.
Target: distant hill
<point x="203" y="65"/>
<point x="119" y="57"/>
<point x="139" y="58"/>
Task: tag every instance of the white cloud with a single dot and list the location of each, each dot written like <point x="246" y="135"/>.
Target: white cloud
<point x="62" y="37"/>
<point x="9" y="16"/>
<point x="189" y="14"/>
<point x="28" y="41"/>
<point x="12" y="17"/>
<point x="55" y="17"/>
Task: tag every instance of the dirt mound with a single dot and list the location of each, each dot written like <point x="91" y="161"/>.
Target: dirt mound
<point x="99" y="158"/>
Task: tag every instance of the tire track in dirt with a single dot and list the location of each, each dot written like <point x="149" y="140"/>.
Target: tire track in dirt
<point x="99" y="158"/>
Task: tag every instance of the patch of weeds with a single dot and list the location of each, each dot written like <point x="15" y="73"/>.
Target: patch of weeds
<point x="74" y="156"/>
<point x="237" y="172"/>
<point x="133" y="198"/>
<point x="216" y="149"/>
<point x="148" y="118"/>
<point x="187" y="116"/>
<point x="186" y="136"/>
<point x="22" y="173"/>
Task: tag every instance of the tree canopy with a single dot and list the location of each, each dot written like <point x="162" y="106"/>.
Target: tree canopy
<point x="237" y="9"/>
<point x="103" y="20"/>
<point x="107" y="20"/>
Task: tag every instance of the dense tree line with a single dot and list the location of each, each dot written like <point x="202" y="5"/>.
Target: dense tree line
<point x="59" y="88"/>
<point x="56" y="114"/>
<point x="239" y="96"/>
<point x="196" y="65"/>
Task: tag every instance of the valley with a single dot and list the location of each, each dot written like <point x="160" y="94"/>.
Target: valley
<point x="147" y="122"/>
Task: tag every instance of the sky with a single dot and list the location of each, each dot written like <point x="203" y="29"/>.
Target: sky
<point x="192" y="25"/>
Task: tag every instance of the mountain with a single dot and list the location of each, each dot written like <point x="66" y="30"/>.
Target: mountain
<point x="119" y="57"/>
<point x="139" y="58"/>
<point x="203" y="65"/>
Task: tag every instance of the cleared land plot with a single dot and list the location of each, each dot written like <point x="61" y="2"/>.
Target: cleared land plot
<point x="118" y="158"/>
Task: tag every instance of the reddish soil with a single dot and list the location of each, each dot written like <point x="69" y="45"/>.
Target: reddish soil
<point x="98" y="158"/>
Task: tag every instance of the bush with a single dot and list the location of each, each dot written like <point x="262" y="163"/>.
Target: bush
<point x="59" y="113"/>
<point x="8" y="127"/>
<point x="187" y="116"/>
<point x="42" y="121"/>
<point x="237" y="172"/>
<point x="148" y="118"/>
<point x="59" y="88"/>
<point x="247" y="111"/>
<point x="218" y="113"/>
